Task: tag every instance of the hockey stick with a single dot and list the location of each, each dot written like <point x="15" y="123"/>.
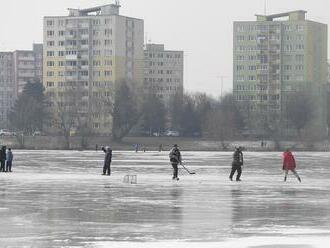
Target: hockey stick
<point x="190" y="172"/>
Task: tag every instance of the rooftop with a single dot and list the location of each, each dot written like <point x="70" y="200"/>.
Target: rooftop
<point x="297" y="15"/>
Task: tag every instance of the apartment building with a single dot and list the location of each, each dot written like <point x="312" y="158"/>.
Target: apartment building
<point x="16" y="69"/>
<point x="8" y="91"/>
<point x="277" y="55"/>
<point x="90" y="51"/>
<point x="163" y="72"/>
<point x="28" y="66"/>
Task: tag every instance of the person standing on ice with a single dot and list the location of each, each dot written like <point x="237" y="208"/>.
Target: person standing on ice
<point x="10" y="158"/>
<point x="237" y="164"/>
<point x="107" y="160"/>
<point x="2" y="158"/>
<point x="175" y="158"/>
<point x="289" y="164"/>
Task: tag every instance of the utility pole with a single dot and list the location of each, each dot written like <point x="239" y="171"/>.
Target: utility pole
<point x="221" y="85"/>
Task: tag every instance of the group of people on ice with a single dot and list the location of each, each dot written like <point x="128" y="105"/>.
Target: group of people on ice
<point x="6" y="159"/>
<point x="289" y="163"/>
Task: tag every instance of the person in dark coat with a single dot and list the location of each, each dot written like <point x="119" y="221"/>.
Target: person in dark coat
<point x="237" y="164"/>
<point x="289" y="164"/>
<point x="175" y="158"/>
<point x="107" y="160"/>
<point x="2" y="158"/>
<point x="9" y="161"/>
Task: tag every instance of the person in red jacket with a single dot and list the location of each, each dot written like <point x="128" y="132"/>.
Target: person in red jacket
<point x="289" y="164"/>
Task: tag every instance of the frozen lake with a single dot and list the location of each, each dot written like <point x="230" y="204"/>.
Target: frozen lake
<point x="60" y="199"/>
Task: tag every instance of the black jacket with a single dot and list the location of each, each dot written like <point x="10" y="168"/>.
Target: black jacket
<point x="238" y="158"/>
<point x="108" y="156"/>
<point x="3" y="153"/>
<point x="175" y="155"/>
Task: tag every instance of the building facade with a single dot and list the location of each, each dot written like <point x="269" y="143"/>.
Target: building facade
<point x="163" y="72"/>
<point x="28" y="66"/>
<point x="16" y="69"/>
<point x="274" y="57"/>
<point x="90" y="51"/>
<point x="8" y="89"/>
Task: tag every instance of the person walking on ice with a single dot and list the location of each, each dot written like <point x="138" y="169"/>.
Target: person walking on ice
<point x="107" y="160"/>
<point x="175" y="158"/>
<point x="289" y="164"/>
<point x="237" y="164"/>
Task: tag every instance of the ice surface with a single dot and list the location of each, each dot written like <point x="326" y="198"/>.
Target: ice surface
<point x="60" y="199"/>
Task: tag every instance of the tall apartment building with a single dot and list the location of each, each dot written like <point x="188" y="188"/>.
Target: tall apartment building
<point x="28" y="66"/>
<point x="91" y="50"/>
<point x="163" y="72"/>
<point x="277" y="55"/>
<point x="16" y="69"/>
<point x="8" y="90"/>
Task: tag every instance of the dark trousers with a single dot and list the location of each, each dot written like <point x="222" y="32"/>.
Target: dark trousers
<point x="106" y="169"/>
<point x="235" y="168"/>
<point x="8" y="166"/>
<point x="3" y="163"/>
<point x="175" y="170"/>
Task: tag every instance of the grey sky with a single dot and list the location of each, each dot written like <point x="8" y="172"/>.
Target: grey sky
<point x="203" y="29"/>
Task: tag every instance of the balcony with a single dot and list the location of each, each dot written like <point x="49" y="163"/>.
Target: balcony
<point x="71" y="57"/>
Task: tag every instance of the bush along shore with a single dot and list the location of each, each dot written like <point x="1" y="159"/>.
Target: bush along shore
<point x="155" y="144"/>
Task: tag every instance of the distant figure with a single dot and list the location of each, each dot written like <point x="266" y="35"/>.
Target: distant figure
<point x="289" y="163"/>
<point x="160" y="148"/>
<point x="175" y="158"/>
<point x="2" y="158"/>
<point x="9" y="162"/>
<point x="107" y="160"/>
<point x="136" y="147"/>
<point x="237" y="164"/>
<point x="96" y="147"/>
<point x="144" y="148"/>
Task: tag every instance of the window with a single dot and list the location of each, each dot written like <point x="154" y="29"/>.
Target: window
<point x="96" y="42"/>
<point x="108" y="52"/>
<point x="97" y="22"/>
<point x="50" y="74"/>
<point x="50" y="53"/>
<point x="287" y="67"/>
<point x="61" y="33"/>
<point x="61" y="22"/>
<point x="50" y="33"/>
<point x="50" y="84"/>
<point x="108" y="62"/>
<point x="61" y="53"/>
<point x="108" y="32"/>
<point x="96" y="52"/>
<point x="107" y="42"/>
<point x="107" y="73"/>
<point x="50" y="43"/>
<point x="300" y="57"/>
<point x="50" y="63"/>
<point x="300" y="27"/>
<point x="61" y="43"/>
<point x="50" y="23"/>
<point x="240" y="67"/>
<point x="96" y="63"/>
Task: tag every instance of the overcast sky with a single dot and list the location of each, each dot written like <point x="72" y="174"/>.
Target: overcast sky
<point x="203" y="29"/>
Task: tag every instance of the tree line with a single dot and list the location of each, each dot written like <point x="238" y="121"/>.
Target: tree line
<point x="192" y="115"/>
